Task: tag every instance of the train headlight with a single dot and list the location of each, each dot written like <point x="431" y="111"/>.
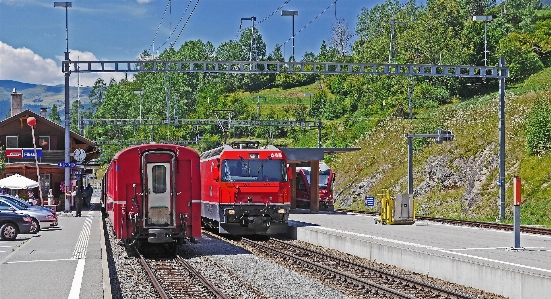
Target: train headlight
<point x="230" y="212"/>
<point x="281" y="211"/>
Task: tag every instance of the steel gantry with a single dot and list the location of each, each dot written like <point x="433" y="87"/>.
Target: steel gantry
<point x="274" y="67"/>
<point x="500" y="72"/>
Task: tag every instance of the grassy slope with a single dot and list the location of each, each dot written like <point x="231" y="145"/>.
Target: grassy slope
<point x="454" y="179"/>
<point x="474" y="153"/>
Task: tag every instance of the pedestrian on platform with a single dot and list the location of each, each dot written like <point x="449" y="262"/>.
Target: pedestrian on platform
<point x="79" y="197"/>
<point x="32" y="200"/>
<point x="88" y="195"/>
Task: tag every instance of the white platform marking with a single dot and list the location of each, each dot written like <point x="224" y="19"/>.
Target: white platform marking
<point x="80" y="254"/>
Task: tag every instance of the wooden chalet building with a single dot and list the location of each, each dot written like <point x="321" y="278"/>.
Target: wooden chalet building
<point x="17" y="148"/>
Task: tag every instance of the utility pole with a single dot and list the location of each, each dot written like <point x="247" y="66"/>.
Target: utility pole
<point x="291" y="13"/>
<point x="392" y="52"/>
<point x="253" y="19"/>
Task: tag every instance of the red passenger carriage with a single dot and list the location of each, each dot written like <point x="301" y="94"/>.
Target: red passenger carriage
<point x="151" y="192"/>
<point x="325" y="183"/>
<point x="245" y="190"/>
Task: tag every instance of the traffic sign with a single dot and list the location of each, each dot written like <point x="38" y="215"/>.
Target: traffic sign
<point x="369" y="201"/>
<point x="66" y="164"/>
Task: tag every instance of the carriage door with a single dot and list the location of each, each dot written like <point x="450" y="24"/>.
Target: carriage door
<point x="158" y="187"/>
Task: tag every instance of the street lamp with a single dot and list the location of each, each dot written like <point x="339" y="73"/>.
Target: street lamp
<point x="252" y="19"/>
<point x="292" y="13"/>
<point x="65" y="69"/>
<point x="484" y="19"/>
<point x="309" y="95"/>
<point x="140" y="93"/>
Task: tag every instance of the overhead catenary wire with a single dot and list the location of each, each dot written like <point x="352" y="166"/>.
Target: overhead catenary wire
<point x="238" y="34"/>
<point x="178" y="24"/>
<point x="321" y="13"/>
<point x="158" y="27"/>
<point x="184" y="26"/>
<point x="273" y="12"/>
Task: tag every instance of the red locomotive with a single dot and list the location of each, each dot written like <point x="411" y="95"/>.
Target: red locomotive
<point x="245" y="189"/>
<point x="151" y="193"/>
<point x="326" y="180"/>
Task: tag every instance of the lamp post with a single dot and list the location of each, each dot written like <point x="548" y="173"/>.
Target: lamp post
<point x="140" y="93"/>
<point x="252" y="19"/>
<point x="291" y="13"/>
<point x="484" y="19"/>
<point x="65" y="69"/>
<point x="310" y="110"/>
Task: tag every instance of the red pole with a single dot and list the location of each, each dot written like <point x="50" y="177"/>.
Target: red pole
<point x="517" y="191"/>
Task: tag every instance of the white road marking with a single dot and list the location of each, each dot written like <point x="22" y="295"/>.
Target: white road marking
<point x="80" y="254"/>
<point x="77" y="280"/>
<point x="497" y="248"/>
<point x="37" y="261"/>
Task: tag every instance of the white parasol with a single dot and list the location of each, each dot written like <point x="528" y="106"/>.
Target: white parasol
<point x="18" y="181"/>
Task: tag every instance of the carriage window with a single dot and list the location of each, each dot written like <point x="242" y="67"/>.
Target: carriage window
<point x="159" y="178"/>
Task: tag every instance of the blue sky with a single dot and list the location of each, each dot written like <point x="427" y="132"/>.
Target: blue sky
<point x="32" y="32"/>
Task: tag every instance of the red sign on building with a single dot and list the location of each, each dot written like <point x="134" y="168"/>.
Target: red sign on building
<point x="12" y="153"/>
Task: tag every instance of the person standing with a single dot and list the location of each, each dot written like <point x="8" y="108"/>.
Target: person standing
<point x="32" y="200"/>
<point x="88" y="195"/>
<point x="79" y="197"/>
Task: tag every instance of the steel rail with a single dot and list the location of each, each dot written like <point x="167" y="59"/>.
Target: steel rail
<point x="441" y="291"/>
<point x="387" y="292"/>
<point x="153" y="278"/>
<point x="216" y="291"/>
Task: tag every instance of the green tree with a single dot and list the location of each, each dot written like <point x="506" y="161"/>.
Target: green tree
<point x="54" y="115"/>
<point x="340" y="37"/>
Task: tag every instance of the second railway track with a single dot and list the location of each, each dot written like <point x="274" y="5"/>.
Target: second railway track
<point x="176" y="278"/>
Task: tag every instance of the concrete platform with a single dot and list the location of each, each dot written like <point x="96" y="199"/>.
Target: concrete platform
<point x="475" y="257"/>
<point x="66" y="261"/>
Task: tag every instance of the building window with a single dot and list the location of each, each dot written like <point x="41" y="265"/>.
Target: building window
<point x="44" y="142"/>
<point x="12" y="141"/>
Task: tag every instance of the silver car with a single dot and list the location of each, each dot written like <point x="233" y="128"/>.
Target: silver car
<point x="26" y="204"/>
<point x="41" y="218"/>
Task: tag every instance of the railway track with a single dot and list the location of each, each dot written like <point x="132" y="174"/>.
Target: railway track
<point x="351" y="277"/>
<point x="176" y="278"/>
<point x="489" y="225"/>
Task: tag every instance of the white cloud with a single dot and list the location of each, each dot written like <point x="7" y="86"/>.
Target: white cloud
<point x="88" y="79"/>
<point x="24" y="65"/>
<point x="144" y="1"/>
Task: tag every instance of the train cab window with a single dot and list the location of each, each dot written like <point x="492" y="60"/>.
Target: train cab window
<point x="159" y="179"/>
<point x="251" y="170"/>
<point x="300" y="183"/>
<point x="324" y="179"/>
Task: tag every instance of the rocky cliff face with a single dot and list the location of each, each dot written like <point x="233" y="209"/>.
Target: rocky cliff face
<point x="470" y="176"/>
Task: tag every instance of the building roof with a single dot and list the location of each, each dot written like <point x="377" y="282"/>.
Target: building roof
<point x="28" y="113"/>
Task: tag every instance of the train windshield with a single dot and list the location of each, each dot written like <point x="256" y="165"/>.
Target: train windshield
<point x="323" y="178"/>
<point x="241" y="170"/>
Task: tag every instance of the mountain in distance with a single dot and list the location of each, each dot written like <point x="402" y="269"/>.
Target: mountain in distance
<point x="36" y="96"/>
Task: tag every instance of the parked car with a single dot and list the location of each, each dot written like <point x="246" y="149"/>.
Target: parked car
<point x="12" y="224"/>
<point x="39" y="217"/>
<point x="26" y="204"/>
